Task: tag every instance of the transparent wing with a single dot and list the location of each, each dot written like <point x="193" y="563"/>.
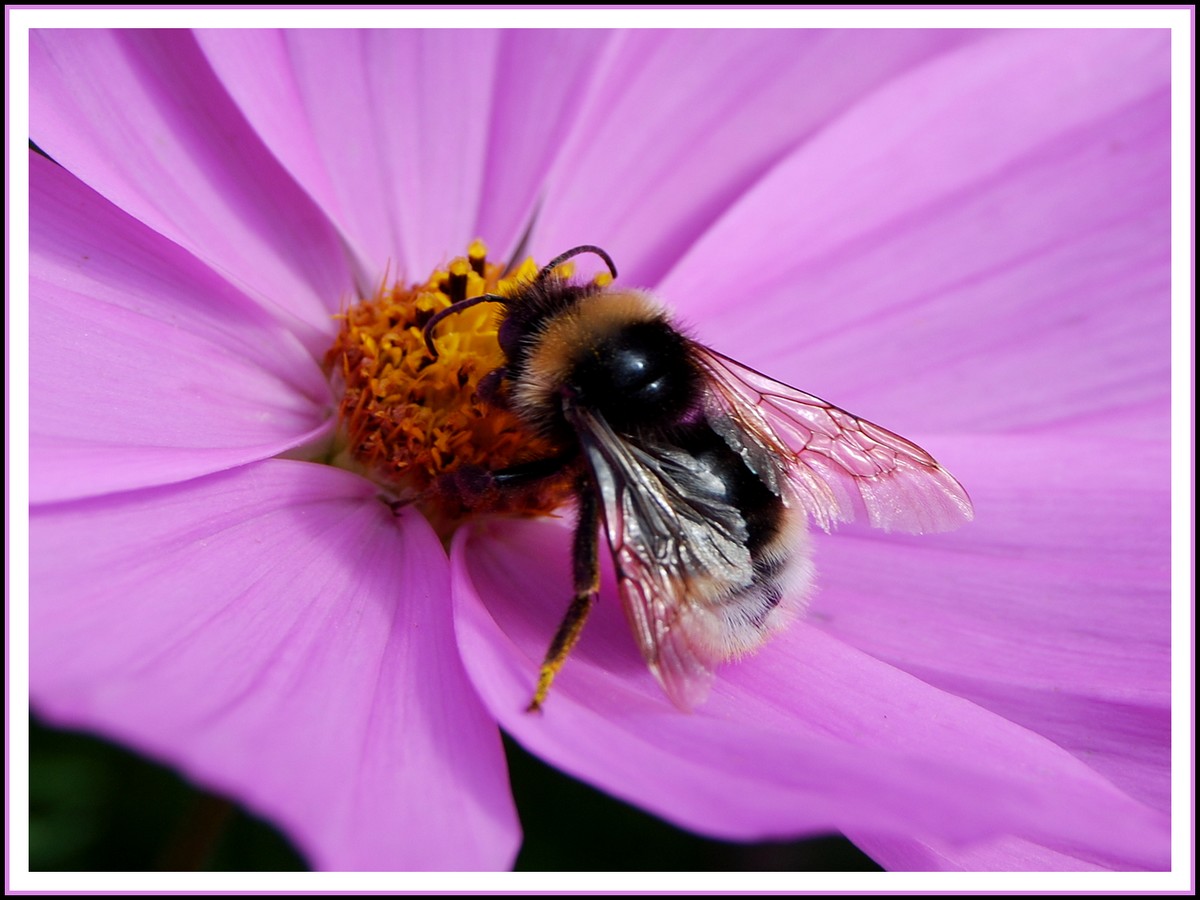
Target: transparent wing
<point x="835" y="465"/>
<point x="679" y="551"/>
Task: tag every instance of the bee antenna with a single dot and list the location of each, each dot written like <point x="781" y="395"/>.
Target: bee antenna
<point x="427" y="331"/>
<point x="575" y="251"/>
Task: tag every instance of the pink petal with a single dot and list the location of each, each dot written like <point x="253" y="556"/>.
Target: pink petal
<point x="809" y="735"/>
<point x="680" y="123"/>
<point x="139" y="116"/>
<point x="542" y="78"/>
<point x="1052" y="608"/>
<point x="276" y="634"/>
<point x="147" y="368"/>
<point x="385" y="168"/>
<point x="990" y="230"/>
<point x="907" y="854"/>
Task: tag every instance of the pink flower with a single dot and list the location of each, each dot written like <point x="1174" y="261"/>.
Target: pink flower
<point x="960" y="236"/>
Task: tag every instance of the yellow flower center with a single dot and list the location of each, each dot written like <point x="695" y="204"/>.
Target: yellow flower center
<point x="416" y="426"/>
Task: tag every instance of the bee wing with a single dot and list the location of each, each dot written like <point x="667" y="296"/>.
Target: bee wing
<point x="679" y="551"/>
<point x="832" y="463"/>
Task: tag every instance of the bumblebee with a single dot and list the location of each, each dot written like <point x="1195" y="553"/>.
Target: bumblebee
<point x="701" y="472"/>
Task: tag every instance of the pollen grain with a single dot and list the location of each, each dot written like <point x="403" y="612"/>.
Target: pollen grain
<point x="417" y="426"/>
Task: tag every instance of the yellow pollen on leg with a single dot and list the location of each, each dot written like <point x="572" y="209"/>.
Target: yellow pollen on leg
<point x="416" y="425"/>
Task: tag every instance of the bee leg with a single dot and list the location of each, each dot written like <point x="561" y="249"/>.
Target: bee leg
<point x="490" y="388"/>
<point x="476" y="486"/>
<point x="530" y="472"/>
<point x="586" y="566"/>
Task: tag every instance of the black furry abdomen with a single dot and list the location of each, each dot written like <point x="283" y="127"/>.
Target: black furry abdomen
<point x="762" y="510"/>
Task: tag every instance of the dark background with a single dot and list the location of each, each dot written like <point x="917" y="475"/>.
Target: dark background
<point x="96" y="807"/>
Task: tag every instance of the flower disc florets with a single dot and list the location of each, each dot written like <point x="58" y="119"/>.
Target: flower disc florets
<point x="417" y="425"/>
